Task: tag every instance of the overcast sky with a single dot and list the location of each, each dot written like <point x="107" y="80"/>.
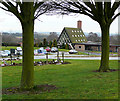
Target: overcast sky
<point x="9" y="23"/>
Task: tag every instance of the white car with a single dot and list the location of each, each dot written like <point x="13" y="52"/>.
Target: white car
<point x="19" y="51"/>
<point x="54" y="49"/>
<point x="73" y="51"/>
<point x="3" y="54"/>
<point x="41" y="48"/>
<point x="7" y="51"/>
<point x="35" y="52"/>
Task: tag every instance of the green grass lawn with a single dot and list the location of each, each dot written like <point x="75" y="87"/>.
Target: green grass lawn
<point x="8" y="47"/>
<point x="74" y="81"/>
<point x="65" y="50"/>
<point x="13" y="47"/>
<point x="79" y="53"/>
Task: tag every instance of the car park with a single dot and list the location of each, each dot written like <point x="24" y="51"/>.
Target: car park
<point x="54" y="49"/>
<point x="73" y="51"/>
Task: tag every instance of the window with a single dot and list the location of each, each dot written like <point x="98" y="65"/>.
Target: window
<point x="75" y="35"/>
<point x="78" y="35"/>
<point x="75" y="30"/>
<point x="78" y="31"/>
<point x="76" y="40"/>
<point x="79" y="46"/>
<point x="72" y="31"/>
<point x="72" y="35"/>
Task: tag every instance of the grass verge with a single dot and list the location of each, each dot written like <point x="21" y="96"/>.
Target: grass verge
<point x="75" y="81"/>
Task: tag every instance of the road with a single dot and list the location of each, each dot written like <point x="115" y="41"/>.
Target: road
<point x="81" y="58"/>
<point x="68" y="56"/>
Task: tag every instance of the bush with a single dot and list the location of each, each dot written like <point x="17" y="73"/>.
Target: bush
<point x="10" y="44"/>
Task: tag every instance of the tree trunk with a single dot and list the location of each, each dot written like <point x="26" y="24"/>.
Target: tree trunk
<point x="104" y="66"/>
<point x="27" y="78"/>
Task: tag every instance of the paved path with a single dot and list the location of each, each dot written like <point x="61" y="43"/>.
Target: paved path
<point x="71" y="57"/>
<point x="81" y="58"/>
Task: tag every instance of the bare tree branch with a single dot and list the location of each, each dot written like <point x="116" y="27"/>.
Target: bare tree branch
<point x="3" y="8"/>
<point x="114" y="7"/>
<point x="115" y="17"/>
<point x="37" y="5"/>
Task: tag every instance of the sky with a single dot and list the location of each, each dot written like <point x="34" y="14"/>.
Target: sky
<point x="56" y="23"/>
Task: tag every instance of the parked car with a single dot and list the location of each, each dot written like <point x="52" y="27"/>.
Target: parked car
<point x="41" y="51"/>
<point x="7" y="51"/>
<point x="35" y="52"/>
<point x="44" y="51"/>
<point x="54" y="49"/>
<point x="73" y="51"/>
<point x="19" y="51"/>
<point x="48" y="49"/>
<point x="41" y="48"/>
<point x="3" y="54"/>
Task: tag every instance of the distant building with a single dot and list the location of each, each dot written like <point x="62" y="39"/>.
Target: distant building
<point x="72" y="36"/>
<point x="76" y="39"/>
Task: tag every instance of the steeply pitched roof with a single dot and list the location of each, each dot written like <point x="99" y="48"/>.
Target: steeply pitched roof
<point x="76" y="35"/>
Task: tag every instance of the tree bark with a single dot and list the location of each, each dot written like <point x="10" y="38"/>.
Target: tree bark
<point x="27" y="78"/>
<point x="104" y="66"/>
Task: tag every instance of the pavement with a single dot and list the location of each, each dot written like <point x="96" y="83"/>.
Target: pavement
<point x="67" y="56"/>
<point x="80" y="58"/>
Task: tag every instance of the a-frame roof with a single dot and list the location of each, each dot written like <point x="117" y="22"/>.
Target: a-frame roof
<point x="76" y="35"/>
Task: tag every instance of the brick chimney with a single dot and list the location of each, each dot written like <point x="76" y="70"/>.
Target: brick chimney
<point x="79" y="24"/>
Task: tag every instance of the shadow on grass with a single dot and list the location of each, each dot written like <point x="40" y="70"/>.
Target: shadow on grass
<point x="36" y="90"/>
<point x="110" y="70"/>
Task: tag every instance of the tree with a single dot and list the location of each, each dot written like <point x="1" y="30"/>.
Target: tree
<point x="102" y="12"/>
<point x="36" y="45"/>
<point x="54" y="43"/>
<point x="26" y="12"/>
<point x="115" y="39"/>
<point x="66" y="46"/>
<point x="9" y="39"/>
<point x="50" y="44"/>
<point x="40" y="45"/>
<point x="63" y="46"/>
<point x="93" y="37"/>
<point x="39" y="37"/>
<point x="52" y="36"/>
<point x="45" y="43"/>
